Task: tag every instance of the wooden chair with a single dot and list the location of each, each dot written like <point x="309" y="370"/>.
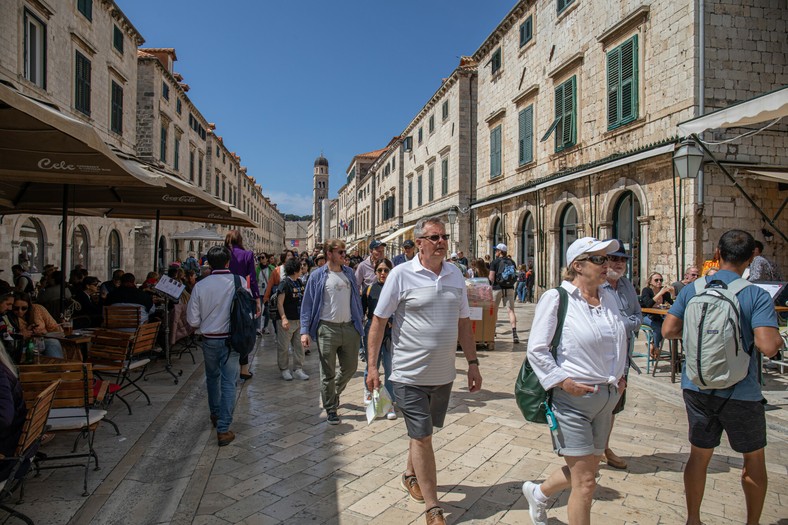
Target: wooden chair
<point x="121" y="356"/>
<point x="32" y="431"/>
<point x="73" y="409"/>
<point x="122" y="317"/>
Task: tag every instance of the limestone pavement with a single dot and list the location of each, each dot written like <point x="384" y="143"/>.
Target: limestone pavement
<point x="288" y="466"/>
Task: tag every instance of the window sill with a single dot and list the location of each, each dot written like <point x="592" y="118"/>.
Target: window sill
<point x="563" y="14"/>
<point x="496" y="76"/>
<point x="528" y="45"/>
<point x="625" y="128"/>
<point x="33" y="86"/>
<point x="566" y="151"/>
<point x="526" y="167"/>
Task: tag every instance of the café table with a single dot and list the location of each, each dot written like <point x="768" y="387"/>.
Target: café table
<point x="676" y="355"/>
<point x="75" y="346"/>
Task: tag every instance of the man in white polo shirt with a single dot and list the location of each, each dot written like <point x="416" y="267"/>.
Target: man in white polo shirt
<point x="429" y="302"/>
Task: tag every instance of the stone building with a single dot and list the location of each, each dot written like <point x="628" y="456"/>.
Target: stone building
<point x="578" y="106"/>
<point x="356" y="198"/>
<point x="296" y="236"/>
<point x="320" y="179"/>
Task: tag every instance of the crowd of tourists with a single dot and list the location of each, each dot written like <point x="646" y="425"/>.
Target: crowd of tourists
<point x="407" y="315"/>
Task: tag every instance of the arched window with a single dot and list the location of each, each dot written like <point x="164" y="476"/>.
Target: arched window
<point x="80" y="247"/>
<point x="31" y="246"/>
<point x="498" y="235"/>
<point x="113" y="253"/>
<point x="627" y="230"/>
<point x="568" y="232"/>
<point x="528" y="251"/>
<point x="161" y="264"/>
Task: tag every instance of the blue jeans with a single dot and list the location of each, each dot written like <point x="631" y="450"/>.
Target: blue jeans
<point x="655" y="322"/>
<point x="221" y="374"/>
<point x="384" y="357"/>
<point x="521" y="291"/>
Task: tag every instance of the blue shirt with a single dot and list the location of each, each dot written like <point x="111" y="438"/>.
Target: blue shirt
<point x="757" y="310"/>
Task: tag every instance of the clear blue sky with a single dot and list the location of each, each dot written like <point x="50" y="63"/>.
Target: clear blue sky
<point x="285" y="80"/>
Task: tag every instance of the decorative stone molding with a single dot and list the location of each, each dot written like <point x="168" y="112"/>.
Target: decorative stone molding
<point x="629" y="22"/>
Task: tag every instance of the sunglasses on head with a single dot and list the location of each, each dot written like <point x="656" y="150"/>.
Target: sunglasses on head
<point x="436" y="237"/>
<point x="599" y="260"/>
<point x="382" y="270"/>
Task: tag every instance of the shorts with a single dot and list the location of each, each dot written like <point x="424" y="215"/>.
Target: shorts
<point x="505" y="295"/>
<point x="743" y="421"/>
<point x="583" y="421"/>
<point x="423" y="407"/>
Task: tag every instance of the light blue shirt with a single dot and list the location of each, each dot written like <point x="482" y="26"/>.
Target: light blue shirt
<point x="757" y="310"/>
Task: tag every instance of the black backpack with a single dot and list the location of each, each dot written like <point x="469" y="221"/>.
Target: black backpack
<point x="243" y="326"/>
<point x="507" y="276"/>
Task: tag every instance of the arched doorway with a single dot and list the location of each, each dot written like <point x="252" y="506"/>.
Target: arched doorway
<point x="568" y="233"/>
<point x="31" y="246"/>
<point x="627" y="229"/>
<point x="498" y="235"/>
<point x="80" y="247"/>
<point x="527" y="246"/>
<point x="113" y="253"/>
<point x="161" y="265"/>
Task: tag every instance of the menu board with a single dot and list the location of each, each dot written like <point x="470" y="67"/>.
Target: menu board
<point x="170" y="287"/>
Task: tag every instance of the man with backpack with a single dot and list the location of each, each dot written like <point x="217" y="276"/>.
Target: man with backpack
<point x="503" y="276"/>
<point x="729" y="323"/>
<point x="209" y="310"/>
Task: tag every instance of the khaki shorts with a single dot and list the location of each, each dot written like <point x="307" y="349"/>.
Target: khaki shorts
<point x="506" y="295"/>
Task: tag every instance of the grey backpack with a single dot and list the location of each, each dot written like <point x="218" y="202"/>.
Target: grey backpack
<point x="714" y="348"/>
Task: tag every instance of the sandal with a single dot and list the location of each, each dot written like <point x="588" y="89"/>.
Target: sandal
<point x="246" y="376"/>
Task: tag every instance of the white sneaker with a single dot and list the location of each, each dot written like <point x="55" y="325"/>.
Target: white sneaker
<point x="299" y="374"/>
<point x="536" y="509"/>
<point x="367" y="397"/>
<point x="286" y="375"/>
<point x="392" y="414"/>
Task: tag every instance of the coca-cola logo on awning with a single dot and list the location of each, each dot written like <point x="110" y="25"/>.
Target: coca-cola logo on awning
<point x="188" y="199"/>
<point x="49" y="164"/>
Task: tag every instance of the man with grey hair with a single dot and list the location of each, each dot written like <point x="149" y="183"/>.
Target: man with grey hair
<point x="690" y="274"/>
<point x="427" y="298"/>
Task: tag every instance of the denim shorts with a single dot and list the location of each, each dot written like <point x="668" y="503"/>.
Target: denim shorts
<point x="423" y="407"/>
<point x="583" y="421"/>
<point x="743" y="421"/>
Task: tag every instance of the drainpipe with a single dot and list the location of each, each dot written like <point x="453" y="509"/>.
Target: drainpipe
<point x="701" y="111"/>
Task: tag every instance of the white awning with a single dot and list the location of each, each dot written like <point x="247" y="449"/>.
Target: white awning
<point x="764" y="108"/>
<point x="776" y="176"/>
<point x="401" y="231"/>
<point x="668" y="148"/>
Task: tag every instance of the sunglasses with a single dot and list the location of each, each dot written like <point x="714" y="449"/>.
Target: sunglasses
<point x="19" y="308"/>
<point x="382" y="270"/>
<point x="599" y="260"/>
<point x="658" y="280"/>
<point x="436" y="237"/>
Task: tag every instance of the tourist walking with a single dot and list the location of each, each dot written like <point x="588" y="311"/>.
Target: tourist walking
<point x="369" y="301"/>
<point x="365" y="271"/>
<point x="503" y="276"/>
<point x="290" y="293"/>
<point x="629" y="307"/>
<point x="428" y="300"/>
<point x="242" y="264"/>
<point x="209" y="311"/>
<point x="737" y="409"/>
<point x="586" y="376"/>
<point x="408" y="252"/>
<point x="331" y="316"/>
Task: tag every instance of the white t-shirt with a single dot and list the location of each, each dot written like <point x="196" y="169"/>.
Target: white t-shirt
<point x="336" y="298"/>
<point x="426" y="309"/>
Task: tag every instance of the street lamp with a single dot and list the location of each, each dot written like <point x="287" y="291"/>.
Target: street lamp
<point x="452" y="216"/>
<point x="688" y="159"/>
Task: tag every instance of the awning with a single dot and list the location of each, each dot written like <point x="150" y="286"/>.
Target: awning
<point x="198" y="234"/>
<point x="40" y="144"/>
<point x="764" y="108"/>
<point x="775" y="176"/>
<point x="668" y="148"/>
<point x="397" y="233"/>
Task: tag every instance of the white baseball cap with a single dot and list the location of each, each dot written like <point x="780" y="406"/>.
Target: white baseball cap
<point x="502" y="247"/>
<point x="453" y="255"/>
<point x="587" y="245"/>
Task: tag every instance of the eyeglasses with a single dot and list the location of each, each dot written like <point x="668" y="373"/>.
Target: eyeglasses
<point x="616" y="258"/>
<point x="382" y="270"/>
<point x="436" y="237"/>
<point x="658" y="280"/>
<point x="599" y="260"/>
<point x="19" y="308"/>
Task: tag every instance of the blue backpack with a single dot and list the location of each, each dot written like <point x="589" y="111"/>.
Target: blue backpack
<point x="508" y="275"/>
<point x="243" y="326"/>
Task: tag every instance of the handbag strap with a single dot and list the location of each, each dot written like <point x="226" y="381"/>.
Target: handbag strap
<point x="563" y="306"/>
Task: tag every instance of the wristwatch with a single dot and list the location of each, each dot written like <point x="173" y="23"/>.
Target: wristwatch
<point x="473" y="362"/>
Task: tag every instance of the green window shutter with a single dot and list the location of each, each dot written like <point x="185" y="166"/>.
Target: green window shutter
<point x="561" y="4"/>
<point x="569" y="120"/>
<point x="82" y="84"/>
<point x="431" y="185"/>
<point x="526" y="31"/>
<point x="495" y="152"/>
<point x="526" y="121"/>
<point x="444" y="176"/>
<point x="613" y="88"/>
<point x="629" y="80"/>
<point x="559" y="113"/>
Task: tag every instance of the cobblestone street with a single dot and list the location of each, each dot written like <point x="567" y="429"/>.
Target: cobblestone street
<point x="288" y="466"/>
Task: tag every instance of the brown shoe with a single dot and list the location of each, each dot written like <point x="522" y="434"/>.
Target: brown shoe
<point x="613" y="461"/>
<point x="225" y="438"/>
<point x="214" y="420"/>
<point x="411" y="486"/>
<point x="435" y="516"/>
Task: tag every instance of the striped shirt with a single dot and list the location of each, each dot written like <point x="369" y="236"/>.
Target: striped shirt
<point x="426" y="309"/>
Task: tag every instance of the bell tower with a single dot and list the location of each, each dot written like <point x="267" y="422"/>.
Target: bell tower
<point x="319" y="193"/>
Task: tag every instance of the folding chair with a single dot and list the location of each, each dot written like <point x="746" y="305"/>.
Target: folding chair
<point x="32" y="431"/>
<point x="73" y="410"/>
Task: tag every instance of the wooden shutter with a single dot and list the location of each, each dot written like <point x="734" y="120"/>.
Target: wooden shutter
<point x="495" y="152"/>
<point x="629" y="78"/>
<point x="526" y="120"/>
<point x="82" y="84"/>
<point x="559" y="115"/>
<point x="613" y="87"/>
<point x="568" y="122"/>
